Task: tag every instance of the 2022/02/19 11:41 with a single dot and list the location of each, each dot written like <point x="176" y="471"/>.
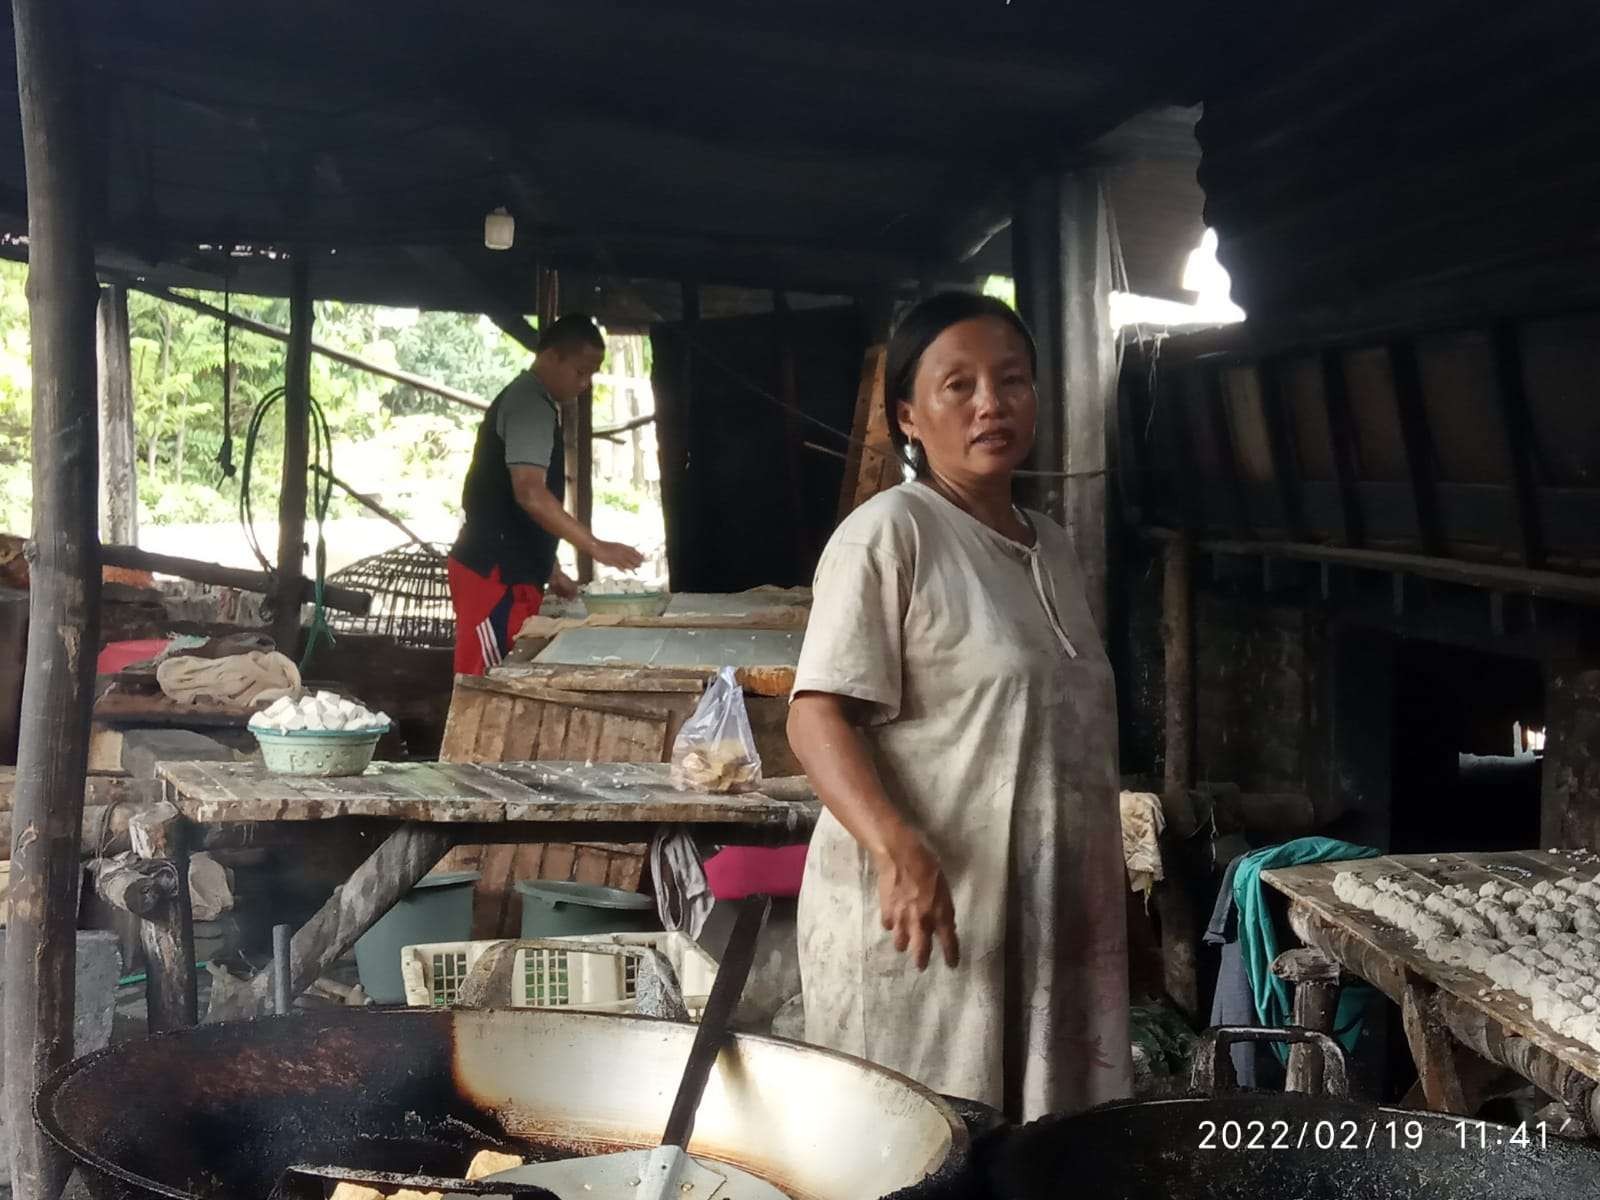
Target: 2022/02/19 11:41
<point x="1480" y="1135"/>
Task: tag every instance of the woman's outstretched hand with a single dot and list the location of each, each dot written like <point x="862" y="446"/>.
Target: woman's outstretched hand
<point x="916" y="904"/>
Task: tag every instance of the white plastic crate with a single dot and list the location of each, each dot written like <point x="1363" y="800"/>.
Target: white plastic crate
<point x="547" y="977"/>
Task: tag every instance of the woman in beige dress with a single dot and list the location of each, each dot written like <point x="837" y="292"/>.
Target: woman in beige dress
<point x="961" y="918"/>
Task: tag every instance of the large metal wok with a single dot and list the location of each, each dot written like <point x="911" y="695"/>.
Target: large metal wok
<point x="1267" y="1146"/>
<point x="223" y="1110"/>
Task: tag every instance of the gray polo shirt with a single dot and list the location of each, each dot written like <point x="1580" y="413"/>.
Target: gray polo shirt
<point x="527" y="422"/>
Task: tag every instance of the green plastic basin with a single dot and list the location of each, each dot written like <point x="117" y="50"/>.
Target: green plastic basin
<point x="553" y="908"/>
<point x="438" y="909"/>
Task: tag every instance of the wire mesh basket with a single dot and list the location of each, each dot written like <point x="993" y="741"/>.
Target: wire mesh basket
<point x="410" y="589"/>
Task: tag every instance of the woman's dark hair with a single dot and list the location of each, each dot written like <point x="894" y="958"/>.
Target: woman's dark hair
<point x="917" y="330"/>
<point x="571" y="332"/>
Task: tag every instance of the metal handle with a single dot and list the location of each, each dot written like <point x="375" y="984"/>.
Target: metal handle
<point x="713" y="1031"/>
<point x="282" y="998"/>
<point x="1212" y="1071"/>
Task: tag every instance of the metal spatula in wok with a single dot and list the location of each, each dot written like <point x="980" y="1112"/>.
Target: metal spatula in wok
<point x="669" y="1172"/>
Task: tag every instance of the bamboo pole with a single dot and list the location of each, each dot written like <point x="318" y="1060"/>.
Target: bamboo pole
<point x="296" y="452"/>
<point x="64" y="601"/>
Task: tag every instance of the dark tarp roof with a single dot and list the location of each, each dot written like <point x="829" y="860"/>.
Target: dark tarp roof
<point x="813" y="146"/>
<point x="1442" y="166"/>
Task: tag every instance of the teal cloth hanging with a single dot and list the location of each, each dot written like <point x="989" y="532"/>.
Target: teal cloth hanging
<point x="1258" y="936"/>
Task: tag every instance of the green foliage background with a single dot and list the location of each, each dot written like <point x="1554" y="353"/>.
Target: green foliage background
<point x="406" y="446"/>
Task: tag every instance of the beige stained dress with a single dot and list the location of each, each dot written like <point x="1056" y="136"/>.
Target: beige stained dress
<point x="993" y="725"/>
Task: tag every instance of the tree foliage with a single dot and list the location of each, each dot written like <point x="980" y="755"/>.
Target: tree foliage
<point x="406" y="446"/>
<point x="409" y="449"/>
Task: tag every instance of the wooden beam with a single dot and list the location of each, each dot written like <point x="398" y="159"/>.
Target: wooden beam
<point x="1089" y="377"/>
<point x="1421" y="461"/>
<point x="680" y="496"/>
<point x="1280" y="440"/>
<point x="135" y="559"/>
<point x="1432" y="1048"/>
<point x="371" y="506"/>
<point x="789" y="393"/>
<point x="626" y="427"/>
<point x="419" y="382"/>
<point x="547" y="297"/>
<point x="1216" y="410"/>
<point x="871" y="463"/>
<point x="516" y="327"/>
<point x="161" y="835"/>
<point x="1346" y="455"/>
<point x="1552" y="585"/>
<point x="64" y="600"/>
<point x="1133" y="407"/>
<point x="1315" y="979"/>
<point x="290" y="583"/>
<point x="119" y="485"/>
<point x="583" y="497"/>
<point x="1517" y="420"/>
<point x="1036" y="262"/>
<point x="1174" y="904"/>
<point x="375" y="887"/>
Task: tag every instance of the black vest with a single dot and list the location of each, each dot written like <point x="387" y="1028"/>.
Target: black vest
<point x="497" y="532"/>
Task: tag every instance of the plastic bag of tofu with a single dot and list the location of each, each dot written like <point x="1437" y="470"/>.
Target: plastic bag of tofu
<point x="715" y="750"/>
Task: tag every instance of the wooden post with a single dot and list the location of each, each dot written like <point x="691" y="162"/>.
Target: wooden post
<point x="1432" y="1048"/>
<point x="872" y="465"/>
<point x="869" y="423"/>
<point x="1036" y="267"/>
<point x="789" y="393"/>
<point x="1174" y="905"/>
<point x="1089" y="381"/>
<point x="1346" y="447"/>
<point x="119" y="488"/>
<point x="583" y="492"/>
<point x="171" y="999"/>
<point x="64" y="600"/>
<point x="296" y="454"/>
<point x="680" y="508"/>
<point x="1315" y="979"/>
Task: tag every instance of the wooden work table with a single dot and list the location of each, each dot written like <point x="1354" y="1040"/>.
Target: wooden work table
<point x="1446" y="1007"/>
<point x="419" y="811"/>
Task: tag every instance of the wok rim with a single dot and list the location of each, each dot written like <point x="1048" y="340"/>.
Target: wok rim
<point x="44" y="1108"/>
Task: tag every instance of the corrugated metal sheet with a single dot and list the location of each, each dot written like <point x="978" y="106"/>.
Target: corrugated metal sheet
<point x="1442" y="164"/>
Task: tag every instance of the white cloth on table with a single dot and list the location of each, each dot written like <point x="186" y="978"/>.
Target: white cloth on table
<point x="993" y="727"/>
<point x="241" y="679"/>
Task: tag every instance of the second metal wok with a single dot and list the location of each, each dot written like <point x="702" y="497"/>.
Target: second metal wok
<point x="1268" y="1146"/>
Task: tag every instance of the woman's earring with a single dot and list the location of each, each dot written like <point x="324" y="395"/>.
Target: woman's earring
<point x="914" y="453"/>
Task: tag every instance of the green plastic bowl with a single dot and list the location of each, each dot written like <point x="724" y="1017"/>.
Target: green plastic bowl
<point x="325" y="753"/>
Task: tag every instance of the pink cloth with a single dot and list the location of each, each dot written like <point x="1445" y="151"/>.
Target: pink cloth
<point x="118" y="656"/>
<point x="741" y="871"/>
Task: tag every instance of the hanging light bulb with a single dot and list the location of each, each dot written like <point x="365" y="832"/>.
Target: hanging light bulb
<point x="499" y="229"/>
